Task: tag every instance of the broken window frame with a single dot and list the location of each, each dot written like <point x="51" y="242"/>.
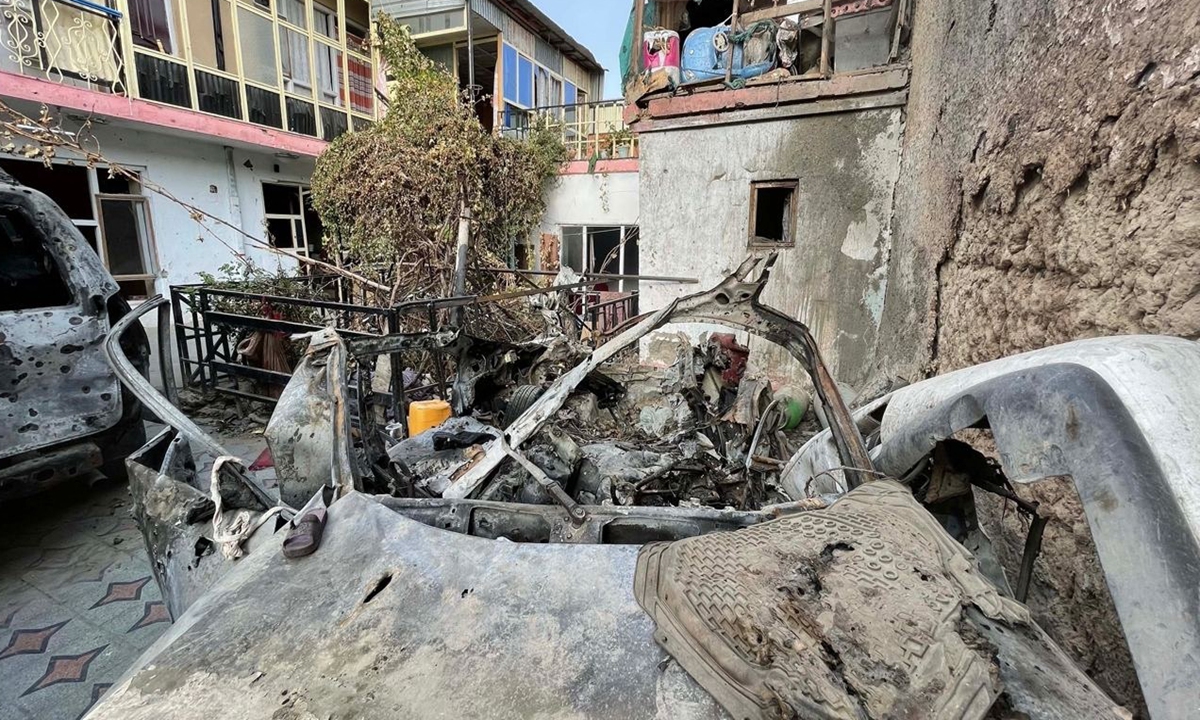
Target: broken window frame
<point x="302" y="243"/>
<point x="146" y="244"/>
<point x="92" y="228"/>
<point x="790" y="221"/>
<point x="629" y="233"/>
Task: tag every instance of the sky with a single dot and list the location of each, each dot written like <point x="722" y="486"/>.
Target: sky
<point x="599" y="25"/>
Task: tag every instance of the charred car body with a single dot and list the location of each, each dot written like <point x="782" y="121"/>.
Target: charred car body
<point x="478" y="572"/>
<point x="63" y="412"/>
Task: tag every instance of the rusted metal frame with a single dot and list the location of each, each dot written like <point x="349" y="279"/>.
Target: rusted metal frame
<point x="443" y="341"/>
<point x="459" y="516"/>
<point x="193" y="370"/>
<point x="550" y="401"/>
<point x="736" y="302"/>
<point x="438" y="364"/>
<point x="250" y="372"/>
<point x="538" y="291"/>
<point x="601" y="276"/>
<point x="1033" y="547"/>
<point x="399" y="402"/>
<point x="733" y="302"/>
<point x="251" y="322"/>
<point x="1033" y="539"/>
<point x="394" y="345"/>
<point x="608" y="309"/>
<point x="302" y="302"/>
<point x="210" y="350"/>
<point x="574" y="510"/>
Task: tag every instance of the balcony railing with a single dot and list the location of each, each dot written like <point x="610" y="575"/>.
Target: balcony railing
<point x="591" y="131"/>
<point x="269" y="70"/>
<point x="76" y="43"/>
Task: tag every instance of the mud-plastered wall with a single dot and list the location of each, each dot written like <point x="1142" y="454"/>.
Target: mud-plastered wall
<point x="1049" y="190"/>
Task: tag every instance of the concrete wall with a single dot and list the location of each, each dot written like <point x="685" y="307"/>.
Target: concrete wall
<point x="190" y="169"/>
<point x="695" y="187"/>
<point x="601" y="198"/>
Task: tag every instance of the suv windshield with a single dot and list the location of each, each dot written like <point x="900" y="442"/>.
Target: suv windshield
<point x="29" y="276"/>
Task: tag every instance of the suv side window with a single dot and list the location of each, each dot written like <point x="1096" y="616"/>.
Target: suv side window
<point x="29" y="276"/>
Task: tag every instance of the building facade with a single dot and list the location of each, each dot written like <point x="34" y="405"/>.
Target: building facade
<point x="526" y="67"/>
<point x="223" y="105"/>
<point x="798" y="156"/>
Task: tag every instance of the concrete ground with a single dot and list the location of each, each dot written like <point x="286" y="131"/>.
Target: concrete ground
<point x="78" y="601"/>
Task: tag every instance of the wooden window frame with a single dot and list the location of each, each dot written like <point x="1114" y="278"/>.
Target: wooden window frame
<point x="790" y="224"/>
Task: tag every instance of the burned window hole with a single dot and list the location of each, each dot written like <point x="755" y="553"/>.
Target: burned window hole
<point x="379" y="586"/>
<point x="773" y="213"/>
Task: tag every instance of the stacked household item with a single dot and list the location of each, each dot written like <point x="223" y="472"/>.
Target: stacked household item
<point x="706" y="52"/>
<point x="660" y="54"/>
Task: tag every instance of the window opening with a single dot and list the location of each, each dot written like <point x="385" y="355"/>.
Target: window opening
<point x="291" y="221"/>
<point x="772" y="213"/>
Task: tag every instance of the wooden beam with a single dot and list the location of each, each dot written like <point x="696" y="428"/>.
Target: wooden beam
<point x="733" y="25"/>
<point x="800" y="8"/>
<point x="639" y="13"/>
<point x="822" y="106"/>
<point x="827" y="32"/>
<point x="777" y="94"/>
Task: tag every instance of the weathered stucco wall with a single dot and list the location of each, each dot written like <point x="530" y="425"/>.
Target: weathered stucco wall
<point x="1050" y="187"/>
<point x="695" y="189"/>
<point x="591" y="199"/>
<point x="1049" y="190"/>
<point x="223" y="183"/>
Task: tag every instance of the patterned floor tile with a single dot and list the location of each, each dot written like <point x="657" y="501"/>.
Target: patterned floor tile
<point x="78" y="603"/>
<point x="30" y="641"/>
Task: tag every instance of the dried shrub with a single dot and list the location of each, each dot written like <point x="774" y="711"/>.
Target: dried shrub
<point x="392" y="195"/>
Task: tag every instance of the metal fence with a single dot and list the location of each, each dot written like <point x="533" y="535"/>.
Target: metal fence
<point x="210" y="322"/>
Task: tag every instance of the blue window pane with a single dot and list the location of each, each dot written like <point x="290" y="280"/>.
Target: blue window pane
<point x="509" y="68"/>
<point x="569" y="94"/>
<point x="515" y="117"/>
<point x="525" y="80"/>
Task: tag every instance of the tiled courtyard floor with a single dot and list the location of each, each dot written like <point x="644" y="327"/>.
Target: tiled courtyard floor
<point x="78" y="603"/>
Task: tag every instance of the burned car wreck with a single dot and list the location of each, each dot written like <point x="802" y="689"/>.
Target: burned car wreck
<point x="519" y="568"/>
<point x="63" y="413"/>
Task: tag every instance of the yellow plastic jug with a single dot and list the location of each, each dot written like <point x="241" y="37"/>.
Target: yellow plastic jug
<point x="426" y="414"/>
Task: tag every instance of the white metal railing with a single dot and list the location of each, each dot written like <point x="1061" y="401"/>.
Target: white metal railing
<point x="76" y="43"/>
<point x="590" y="131"/>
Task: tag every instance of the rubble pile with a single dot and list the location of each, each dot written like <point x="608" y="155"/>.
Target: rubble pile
<point x="699" y="432"/>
